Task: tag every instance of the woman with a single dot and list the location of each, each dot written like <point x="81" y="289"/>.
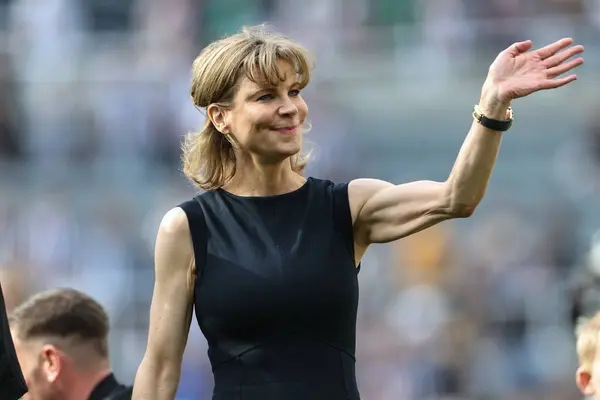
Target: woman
<point x="268" y="258"/>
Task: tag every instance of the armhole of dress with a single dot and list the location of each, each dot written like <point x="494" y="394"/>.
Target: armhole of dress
<point x="343" y="217"/>
<point x="198" y="232"/>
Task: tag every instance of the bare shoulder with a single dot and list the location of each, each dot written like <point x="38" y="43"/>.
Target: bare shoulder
<point x="174" y="248"/>
<point x="362" y="189"/>
<point x="175" y="222"/>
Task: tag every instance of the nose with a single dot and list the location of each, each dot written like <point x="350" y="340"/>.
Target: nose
<point x="288" y="107"/>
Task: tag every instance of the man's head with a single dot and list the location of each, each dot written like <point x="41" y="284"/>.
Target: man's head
<point x="61" y="342"/>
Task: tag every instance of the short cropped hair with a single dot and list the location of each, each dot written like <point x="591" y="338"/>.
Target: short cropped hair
<point x="64" y="314"/>
<point x="587" y="333"/>
<point x="208" y="157"/>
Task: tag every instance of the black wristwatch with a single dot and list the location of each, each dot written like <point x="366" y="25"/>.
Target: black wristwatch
<point x="494" y="124"/>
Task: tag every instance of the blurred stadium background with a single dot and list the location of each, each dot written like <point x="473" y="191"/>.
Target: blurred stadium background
<point x="94" y="100"/>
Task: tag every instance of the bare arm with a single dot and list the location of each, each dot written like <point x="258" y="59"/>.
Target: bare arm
<point x="171" y="310"/>
<point x="382" y="212"/>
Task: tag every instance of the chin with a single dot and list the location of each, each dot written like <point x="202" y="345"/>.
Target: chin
<point x="280" y="155"/>
<point x="290" y="151"/>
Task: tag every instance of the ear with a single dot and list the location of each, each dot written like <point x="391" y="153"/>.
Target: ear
<point x="584" y="382"/>
<point x="218" y="116"/>
<point x="51" y="362"/>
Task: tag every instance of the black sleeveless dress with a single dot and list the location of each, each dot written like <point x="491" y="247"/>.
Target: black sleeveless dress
<point x="277" y="292"/>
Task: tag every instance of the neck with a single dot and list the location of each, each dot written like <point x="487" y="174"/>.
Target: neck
<point x="83" y="384"/>
<point x="255" y="179"/>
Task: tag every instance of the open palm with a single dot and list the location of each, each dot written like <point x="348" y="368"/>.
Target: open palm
<point x="517" y="72"/>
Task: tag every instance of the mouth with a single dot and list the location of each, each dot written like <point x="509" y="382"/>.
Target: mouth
<point x="287" y="130"/>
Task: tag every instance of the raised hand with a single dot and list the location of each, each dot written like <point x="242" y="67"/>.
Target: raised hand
<point x="517" y="72"/>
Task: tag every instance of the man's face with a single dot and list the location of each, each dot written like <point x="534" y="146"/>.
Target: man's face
<point x="41" y="367"/>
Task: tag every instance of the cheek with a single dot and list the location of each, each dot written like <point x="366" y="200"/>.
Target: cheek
<point x="32" y="382"/>
<point x="302" y="109"/>
<point x="39" y="387"/>
<point x="248" y="125"/>
<point x="23" y="363"/>
<point x="31" y="374"/>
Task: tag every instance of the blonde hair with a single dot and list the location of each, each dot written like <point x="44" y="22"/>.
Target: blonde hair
<point x="208" y="157"/>
<point x="587" y="333"/>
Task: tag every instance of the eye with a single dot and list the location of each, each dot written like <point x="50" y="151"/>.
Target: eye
<point x="265" y="97"/>
<point x="294" y="93"/>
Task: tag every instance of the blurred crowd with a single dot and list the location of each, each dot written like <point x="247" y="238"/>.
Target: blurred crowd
<point x="94" y="100"/>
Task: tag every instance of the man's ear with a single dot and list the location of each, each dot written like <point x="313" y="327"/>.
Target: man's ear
<point x="218" y="117"/>
<point x="584" y="382"/>
<point x="51" y="362"/>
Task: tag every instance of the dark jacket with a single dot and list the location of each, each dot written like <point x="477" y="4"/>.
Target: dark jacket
<point x="110" y="389"/>
<point x="12" y="383"/>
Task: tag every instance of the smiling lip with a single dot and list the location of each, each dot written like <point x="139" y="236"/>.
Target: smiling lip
<point x="288" y="130"/>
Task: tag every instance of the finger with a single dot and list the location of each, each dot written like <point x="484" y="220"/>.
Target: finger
<point x="564" y="55"/>
<point x="519" y="47"/>
<point x="549" y="50"/>
<point x="555" y="83"/>
<point x="562" y="68"/>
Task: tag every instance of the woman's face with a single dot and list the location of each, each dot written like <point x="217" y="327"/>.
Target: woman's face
<point x="266" y="121"/>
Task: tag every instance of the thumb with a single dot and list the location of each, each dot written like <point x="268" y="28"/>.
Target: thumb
<point x="518" y="48"/>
